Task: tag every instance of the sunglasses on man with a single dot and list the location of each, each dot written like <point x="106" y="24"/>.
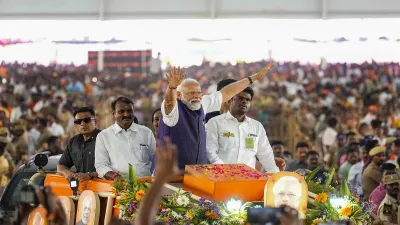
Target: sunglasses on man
<point x="86" y="120"/>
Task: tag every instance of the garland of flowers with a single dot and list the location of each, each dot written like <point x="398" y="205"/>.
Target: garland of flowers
<point x="333" y="205"/>
<point x="179" y="208"/>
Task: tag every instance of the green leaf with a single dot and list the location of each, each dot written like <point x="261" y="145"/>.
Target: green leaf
<point x="132" y="176"/>
<point x="344" y="188"/>
<point x="313" y="173"/>
<point x="330" y="177"/>
<point x="179" y="209"/>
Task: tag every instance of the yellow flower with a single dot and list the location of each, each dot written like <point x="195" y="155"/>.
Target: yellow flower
<point x="323" y="197"/>
<point x="211" y="215"/>
<point x="139" y="195"/>
<point x="189" y="215"/>
<point x="357" y="200"/>
<point x="346" y="211"/>
<point x="316" y="221"/>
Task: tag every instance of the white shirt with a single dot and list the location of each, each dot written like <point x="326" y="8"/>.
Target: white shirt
<point x="56" y="130"/>
<point x="224" y="148"/>
<point x="329" y="136"/>
<point x="116" y="148"/>
<point x="210" y="103"/>
<point x="33" y="136"/>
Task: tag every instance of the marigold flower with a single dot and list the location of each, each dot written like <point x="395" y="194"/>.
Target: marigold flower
<point x="316" y="221"/>
<point x="139" y="195"/>
<point x="211" y="215"/>
<point x="323" y="197"/>
<point x="189" y="215"/>
<point x="346" y="211"/>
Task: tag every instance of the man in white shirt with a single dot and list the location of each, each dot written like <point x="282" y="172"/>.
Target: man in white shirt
<point x="379" y="133"/>
<point x="329" y="138"/>
<point x="55" y="128"/>
<point x="124" y="143"/>
<point x="235" y="138"/>
<point x="184" y="109"/>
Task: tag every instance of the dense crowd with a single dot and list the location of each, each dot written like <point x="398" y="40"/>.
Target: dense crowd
<point x="349" y="112"/>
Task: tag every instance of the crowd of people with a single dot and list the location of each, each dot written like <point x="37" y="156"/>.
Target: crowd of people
<point x="217" y="113"/>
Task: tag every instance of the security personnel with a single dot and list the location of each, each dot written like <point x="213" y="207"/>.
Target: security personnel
<point x="387" y="211"/>
<point x="372" y="175"/>
<point x="80" y="150"/>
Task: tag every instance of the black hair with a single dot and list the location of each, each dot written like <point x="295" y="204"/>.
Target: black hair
<point x="332" y="122"/>
<point x="354" y="145"/>
<point x="276" y="143"/>
<point x="2" y="148"/>
<point x="311" y="153"/>
<point x="135" y="120"/>
<point x="250" y="91"/>
<point x="387" y="166"/>
<point x="371" y="144"/>
<point x="42" y="121"/>
<point x="376" y="124"/>
<point x="351" y="150"/>
<point x="51" y="140"/>
<point x="120" y="99"/>
<point x="351" y="133"/>
<point x="152" y="115"/>
<point x="302" y="145"/>
<point x="397" y="143"/>
<point x="84" y="109"/>
<point x="225" y="82"/>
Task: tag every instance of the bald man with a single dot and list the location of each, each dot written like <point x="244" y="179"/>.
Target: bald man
<point x="183" y="112"/>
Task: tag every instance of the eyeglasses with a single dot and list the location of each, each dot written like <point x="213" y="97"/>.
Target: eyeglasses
<point x="86" y="120"/>
<point x="194" y="93"/>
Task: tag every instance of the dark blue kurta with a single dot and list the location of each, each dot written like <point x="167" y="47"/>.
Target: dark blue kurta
<point x="189" y="135"/>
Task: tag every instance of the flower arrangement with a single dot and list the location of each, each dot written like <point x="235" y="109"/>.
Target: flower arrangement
<point x="180" y="208"/>
<point x="343" y="204"/>
<point x="130" y="193"/>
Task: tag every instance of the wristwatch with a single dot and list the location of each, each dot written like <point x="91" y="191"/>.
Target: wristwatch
<point x="91" y="175"/>
<point x="250" y="80"/>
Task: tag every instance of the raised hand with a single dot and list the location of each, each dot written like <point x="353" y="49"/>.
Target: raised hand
<point x="175" y="77"/>
<point x="263" y="72"/>
<point x="167" y="160"/>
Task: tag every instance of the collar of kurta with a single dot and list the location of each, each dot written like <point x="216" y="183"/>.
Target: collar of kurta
<point x="118" y="129"/>
<point x="228" y="116"/>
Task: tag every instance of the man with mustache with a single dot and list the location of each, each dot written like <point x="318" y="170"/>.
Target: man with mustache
<point x="123" y="143"/>
<point x="235" y="138"/>
<point x="184" y="109"/>
<point x="372" y="174"/>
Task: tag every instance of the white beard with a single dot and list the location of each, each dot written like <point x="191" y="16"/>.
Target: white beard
<point x="192" y="105"/>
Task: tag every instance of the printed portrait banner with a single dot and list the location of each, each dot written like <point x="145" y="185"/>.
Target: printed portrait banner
<point x="38" y="216"/>
<point x="88" y="209"/>
<point x="69" y="208"/>
<point x="286" y="188"/>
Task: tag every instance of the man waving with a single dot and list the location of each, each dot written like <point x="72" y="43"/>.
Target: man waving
<point x="183" y="113"/>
